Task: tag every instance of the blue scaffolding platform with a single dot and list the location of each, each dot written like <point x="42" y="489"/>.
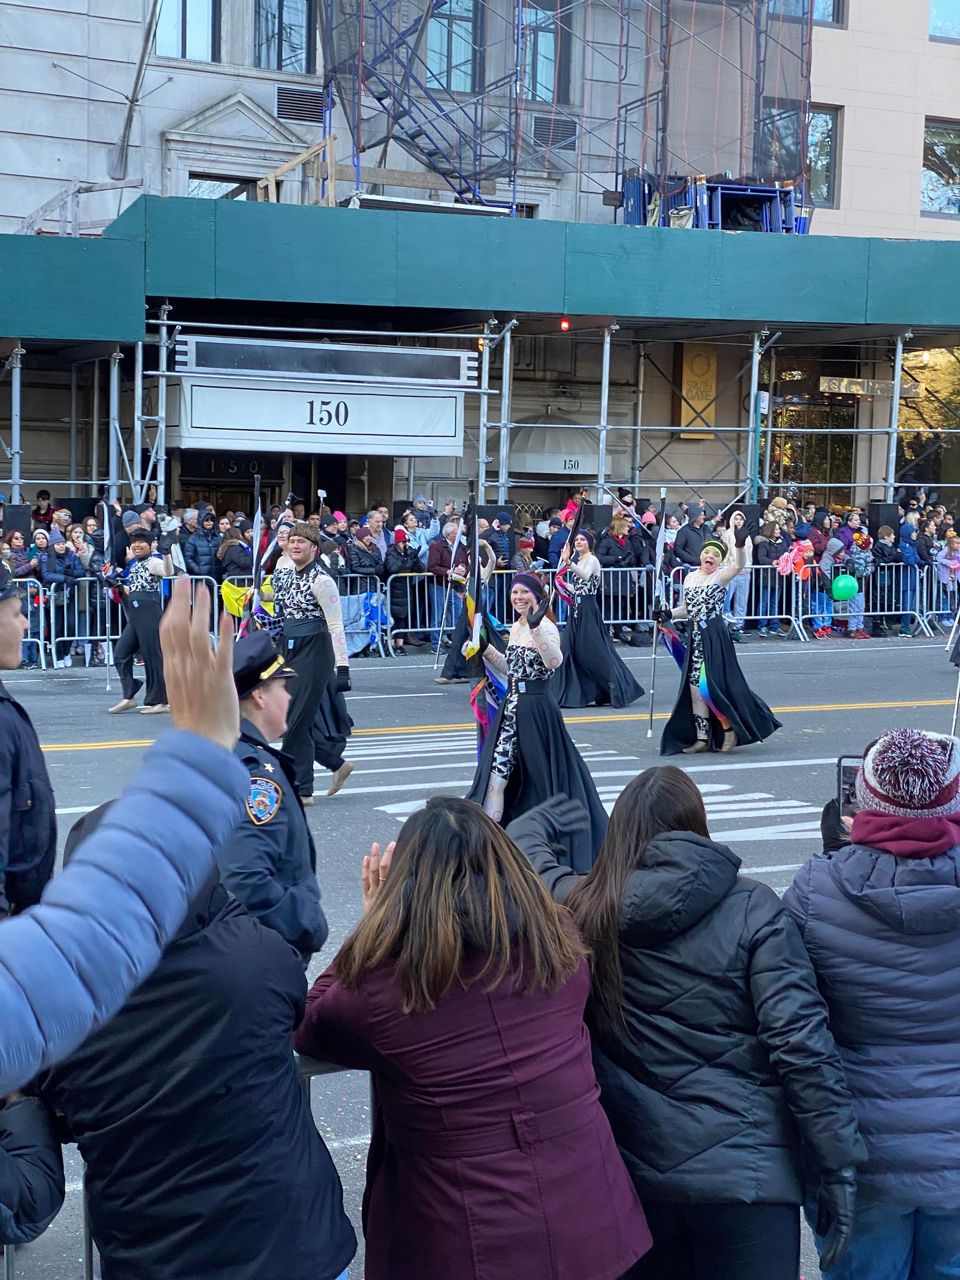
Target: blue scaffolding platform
<point x="719" y="205"/>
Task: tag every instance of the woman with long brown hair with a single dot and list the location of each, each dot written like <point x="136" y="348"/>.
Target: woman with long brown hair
<point x="462" y="990"/>
<point x="711" y="1041"/>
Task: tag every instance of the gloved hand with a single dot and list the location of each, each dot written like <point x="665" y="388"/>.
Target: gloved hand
<point x="536" y="616"/>
<point x="662" y="616"/>
<point x="741" y="534"/>
<point x="343" y="680"/>
<point x="166" y="542"/>
<point x="836" y="1202"/>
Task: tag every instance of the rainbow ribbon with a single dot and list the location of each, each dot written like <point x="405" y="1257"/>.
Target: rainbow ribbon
<point x="705" y="695"/>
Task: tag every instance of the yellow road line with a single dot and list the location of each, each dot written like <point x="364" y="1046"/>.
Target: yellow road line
<point x="611" y="718"/>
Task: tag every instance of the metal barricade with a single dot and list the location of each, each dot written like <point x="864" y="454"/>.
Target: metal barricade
<point x="941" y="600"/>
<point x="626" y="597"/>
<point x="408" y="603"/>
<point x="33" y="606"/>
<point x="772" y="599"/>
<point x="85" y="616"/>
<point x="895" y="591"/>
<point x="212" y="586"/>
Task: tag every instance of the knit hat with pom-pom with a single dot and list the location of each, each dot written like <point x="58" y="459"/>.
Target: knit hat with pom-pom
<point x="912" y="774"/>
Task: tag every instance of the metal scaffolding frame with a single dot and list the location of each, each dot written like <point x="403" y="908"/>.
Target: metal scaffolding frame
<point x="747" y="446"/>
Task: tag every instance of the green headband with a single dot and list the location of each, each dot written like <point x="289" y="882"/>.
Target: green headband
<point x="714" y="544"/>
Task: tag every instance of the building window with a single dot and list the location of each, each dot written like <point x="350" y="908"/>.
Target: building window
<point x="823" y="140"/>
<point x="828" y="13"/>
<point x="545" y="51"/>
<point x="945" y="19"/>
<point x="286" y="38"/>
<point x="940" y="181"/>
<point x="207" y="186"/>
<point x="454" y="47"/>
<point x="189" y="29"/>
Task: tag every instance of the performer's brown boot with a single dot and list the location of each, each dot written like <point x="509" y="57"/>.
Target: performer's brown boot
<point x="729" y="740"/>
<point x="698" y="746"/>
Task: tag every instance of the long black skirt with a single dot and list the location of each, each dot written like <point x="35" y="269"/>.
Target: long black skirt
<point x="593" y="673"/>
<point x="332" y="723"/>
<point x="750" y="717"/>
<point x="547" y="766"/>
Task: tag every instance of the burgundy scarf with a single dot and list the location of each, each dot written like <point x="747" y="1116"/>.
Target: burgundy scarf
<point x="906" y="837"/>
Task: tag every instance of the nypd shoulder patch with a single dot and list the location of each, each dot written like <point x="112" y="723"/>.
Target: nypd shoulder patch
<point x="263" y="801"/>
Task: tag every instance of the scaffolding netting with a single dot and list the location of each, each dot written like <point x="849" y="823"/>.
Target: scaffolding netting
<point x="666" y="90"/>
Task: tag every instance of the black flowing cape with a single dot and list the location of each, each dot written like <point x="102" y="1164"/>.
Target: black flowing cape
<point x="548" y="766"/>
<point x="593" y="673"/>
<point x="332" y="723"/>
<point x="750" y="717"/>
<point x="456" y="666"/>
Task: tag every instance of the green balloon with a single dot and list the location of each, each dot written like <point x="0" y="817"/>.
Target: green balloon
<point x="845" y="587"/>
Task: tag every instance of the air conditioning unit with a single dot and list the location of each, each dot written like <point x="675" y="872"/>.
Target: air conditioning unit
<point x="554" y="132"/>
<point x="302" y="105"/>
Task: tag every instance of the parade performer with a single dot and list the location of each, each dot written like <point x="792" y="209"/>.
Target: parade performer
<point x="715" y="708"/>
<point x="528" y="757"/>
<point x="593" y="673"/>
<point x="142" y="586"/>
<point x="308" y="605"/>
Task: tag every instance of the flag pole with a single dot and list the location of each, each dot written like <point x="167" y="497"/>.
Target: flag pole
<point x="446" y="593"/>
<point x="657" y="594"/>
<point x="956" y="709"/>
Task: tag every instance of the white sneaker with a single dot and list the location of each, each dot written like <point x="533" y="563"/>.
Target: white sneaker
<point x="125" y="704"/>
<point x="158" y="708"/>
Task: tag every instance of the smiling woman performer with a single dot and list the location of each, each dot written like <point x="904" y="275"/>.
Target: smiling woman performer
<point x="528" y="757"/>
<point x="715" y="708"/>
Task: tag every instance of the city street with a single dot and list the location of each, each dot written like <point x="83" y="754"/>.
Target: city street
<point x="414" y="739"/>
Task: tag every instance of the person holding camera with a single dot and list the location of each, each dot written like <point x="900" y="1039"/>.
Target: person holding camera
<point x="879" y="912"/>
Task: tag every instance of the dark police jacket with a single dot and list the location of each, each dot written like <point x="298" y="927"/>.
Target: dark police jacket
<point x="28" y="826"/>
<point x="203" y="1162"/>
<point x="269" y="863"/>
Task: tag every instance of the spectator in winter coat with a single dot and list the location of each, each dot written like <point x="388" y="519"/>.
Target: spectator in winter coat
<point x="68" y="964"/>
<point x="616" y="553"/>
<point x="881" y="921"/>
<point x="821" y="531"/>
<point x="498" y="538"/>
<point x="689" y="540"/>
<point x="768" y="546"/>
<point x="407" y="595"/>
<point x="417" y="536"/>
<point x="200" y="549"/>
<point x="42" y="514"/>
<point x="559" y="535"/>
<point x="235" y="556"/>
<point x="462" y="990"/>
<point x="909" y="576"/>
<point x="927" y="544"/>
<point x="449" y="571"/>
<point x="711" y="1041"/>
<point x="364" y="559"/>
<point x="59" y="569"/>
<point x="201" y="1154"/>
<point x="886" y="593"/>
<point x="20" y="562"/>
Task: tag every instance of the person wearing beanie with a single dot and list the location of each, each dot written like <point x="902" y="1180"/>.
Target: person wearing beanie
<point x="592" y="673"/>
<point x="716" y="710"/>
<point x="880" y="917"/>
<point x="308" y="606"/>
<point x="402" y="568"/>
<point x="528" y="757"/>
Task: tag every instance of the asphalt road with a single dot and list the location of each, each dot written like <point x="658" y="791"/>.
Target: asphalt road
<point x="414" y="739"/>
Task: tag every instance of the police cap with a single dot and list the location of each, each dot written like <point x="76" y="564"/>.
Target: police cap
<point x="255" y="661"/>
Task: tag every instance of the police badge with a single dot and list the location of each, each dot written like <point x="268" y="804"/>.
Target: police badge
<point x="263" y="802"/>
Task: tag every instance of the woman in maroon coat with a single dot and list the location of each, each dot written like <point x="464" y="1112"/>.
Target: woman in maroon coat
<point x="463" y="991"/>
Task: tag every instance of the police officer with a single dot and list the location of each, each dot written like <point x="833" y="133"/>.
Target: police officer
<point x="28" y="826"/>
<point x="269" y="863"/>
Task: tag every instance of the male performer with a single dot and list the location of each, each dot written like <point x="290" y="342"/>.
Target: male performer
<point x="315" y="646"/>
<point x="28" y="828"/>
<point x="142" y="587"/>
<point x="269" y="863"/>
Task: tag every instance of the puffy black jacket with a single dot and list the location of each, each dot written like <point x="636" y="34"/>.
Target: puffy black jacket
<point x="689" y="543"/>
<point x="202" y="1156"/>
<point x="200" y="554"/>
<point x="727" y="1059"/>
<point x="237" y="561"/>
<point x="366" y="562"/>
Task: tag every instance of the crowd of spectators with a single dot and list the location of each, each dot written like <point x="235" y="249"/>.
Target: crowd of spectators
<point x="901" y="572"/>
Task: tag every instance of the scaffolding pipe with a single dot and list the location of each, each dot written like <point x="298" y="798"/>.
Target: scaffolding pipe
<point x="95" y="430"/>
<point x="754" y="416"/>
<point x="768" y="449"/>
<point x="16" y="357"/>
<point x="137" y="459"/>
<point x="113" y="428"/>
<point x="641" y="380"/>
<point x="160" y="442"/>
<point x="483" y="440"/>
<point x="892" y="430"/>
<point x="604" y="409"/>
<point x="74" y="389"/>
<point x="506" y="391"/>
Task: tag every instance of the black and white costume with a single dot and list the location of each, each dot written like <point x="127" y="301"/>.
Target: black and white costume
<point x="528" y="756"/>
<point x="143" y="580"/>
<point x="318" y="724"/>
<point x="593" y="673"/>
